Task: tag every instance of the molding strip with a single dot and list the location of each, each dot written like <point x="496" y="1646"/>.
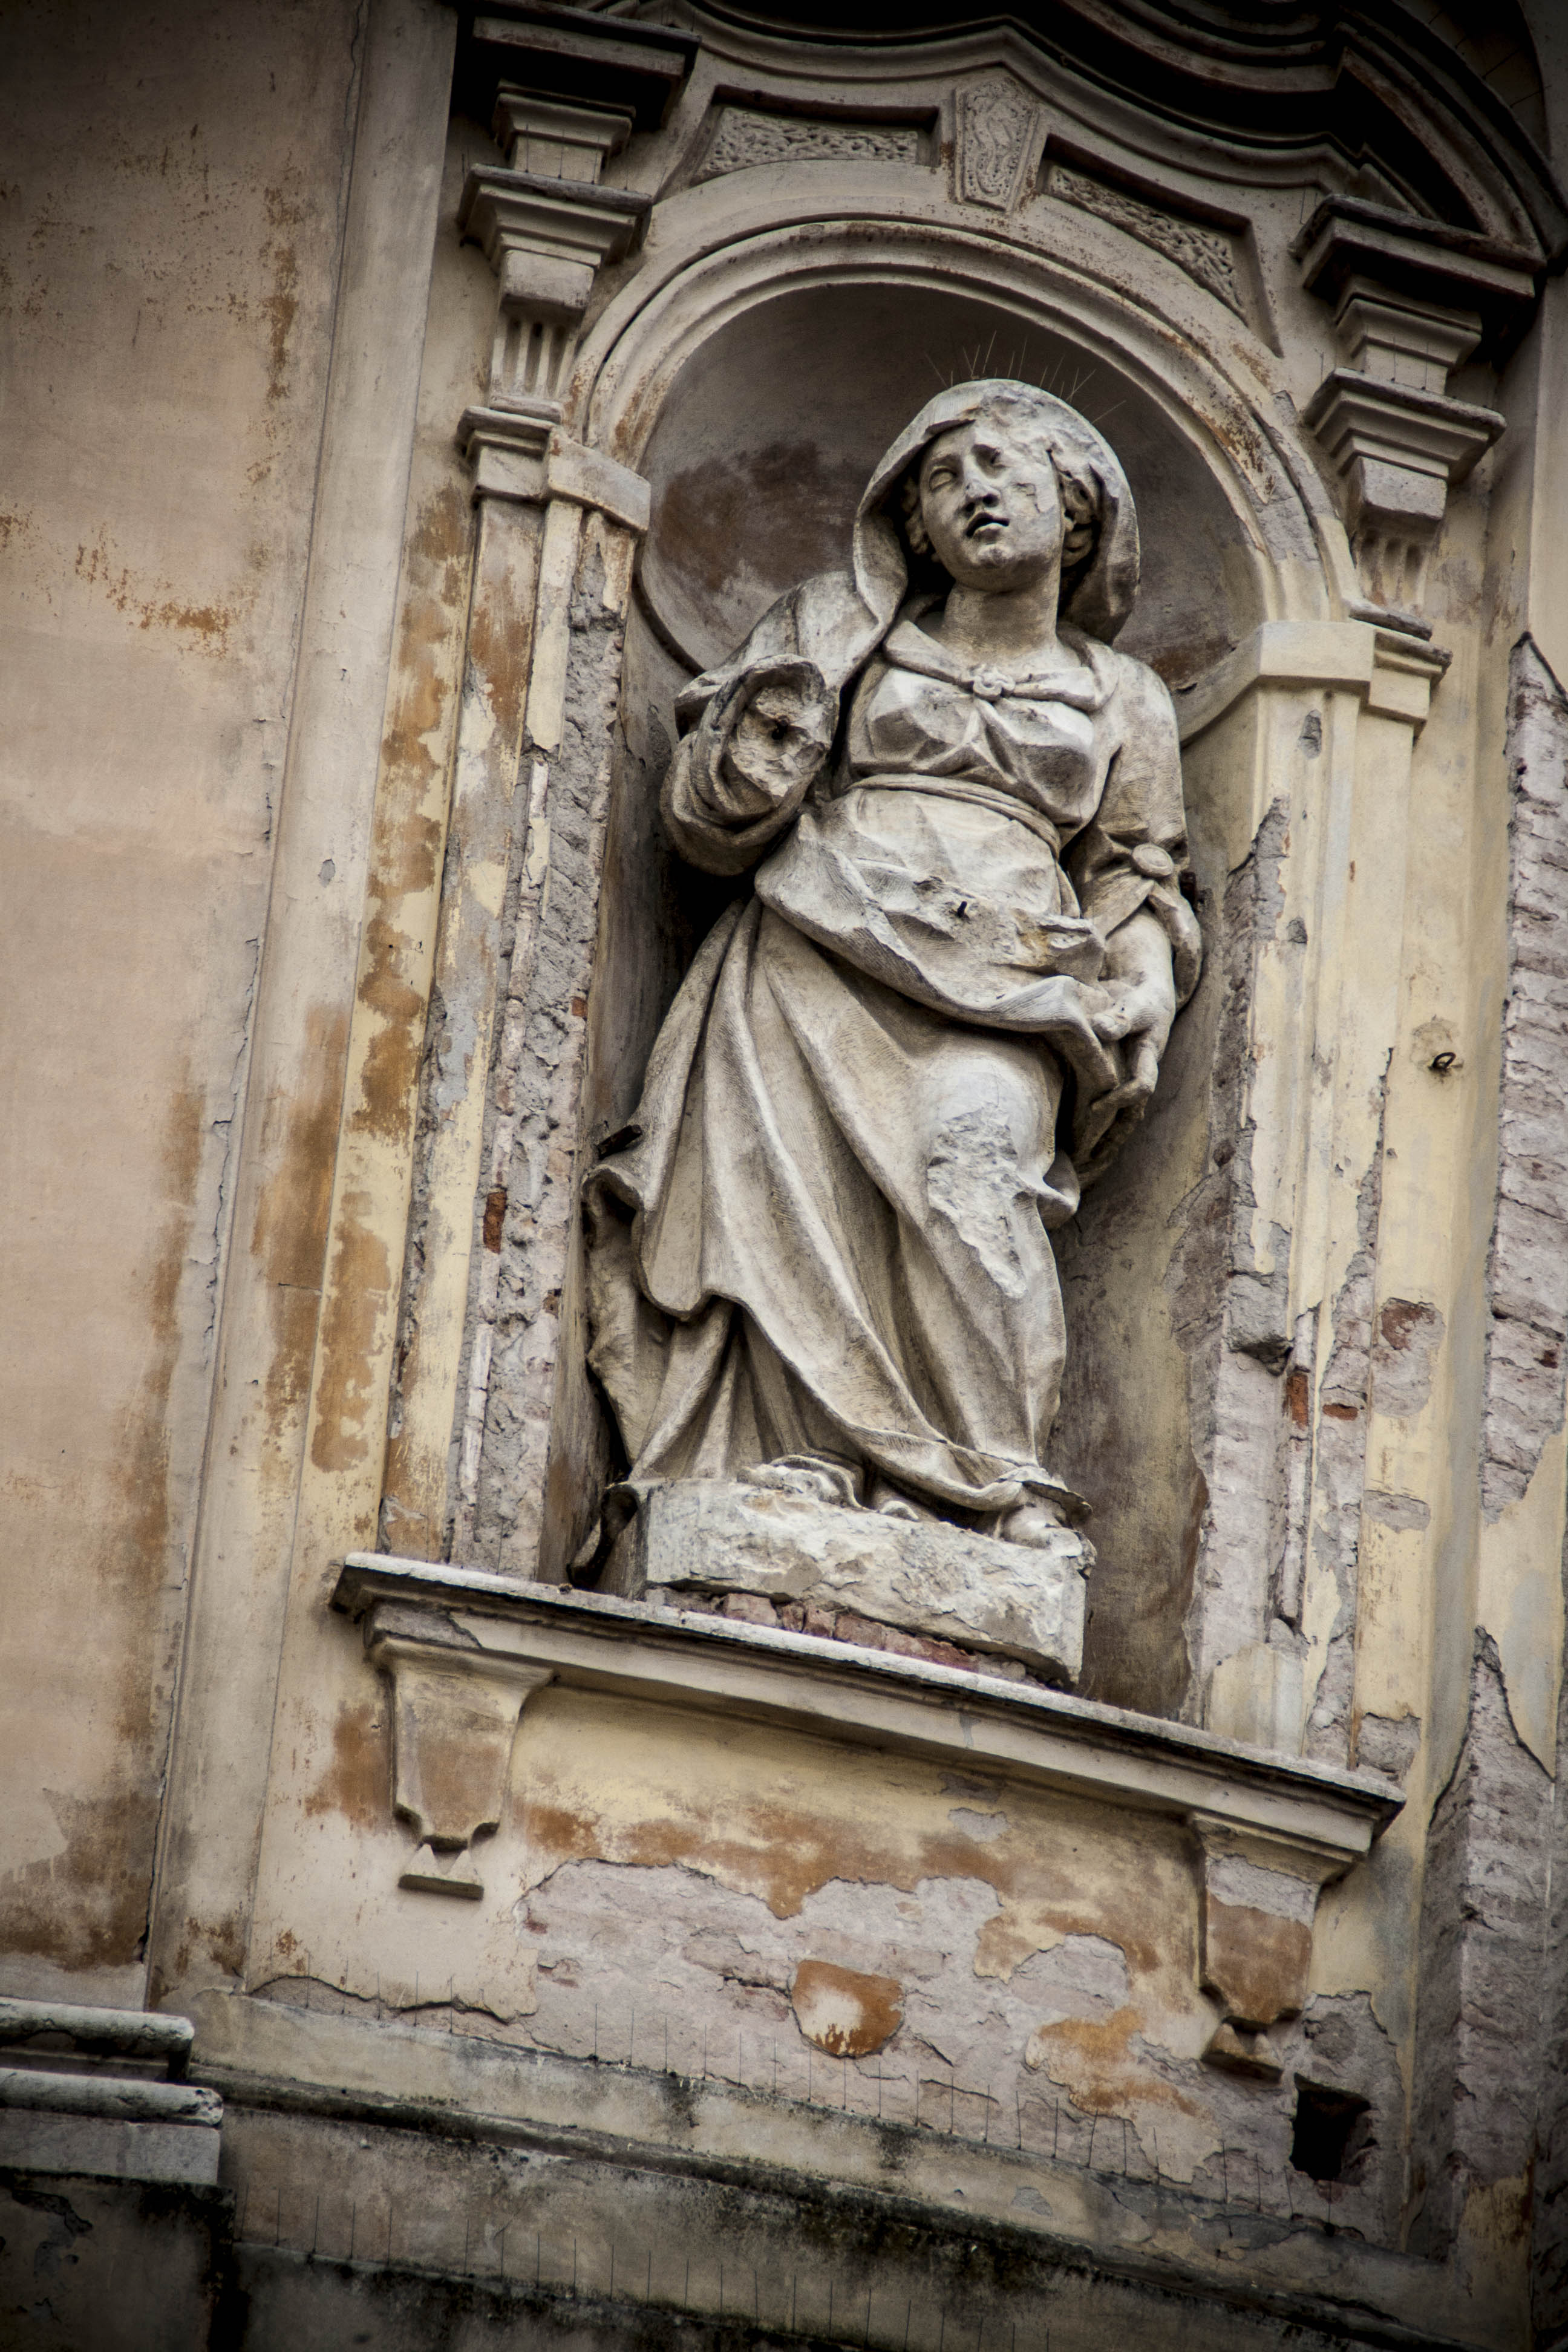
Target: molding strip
<point x="592" y="1641"/>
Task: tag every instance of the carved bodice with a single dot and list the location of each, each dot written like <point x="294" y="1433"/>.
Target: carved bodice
<point x="1035" y="746"/>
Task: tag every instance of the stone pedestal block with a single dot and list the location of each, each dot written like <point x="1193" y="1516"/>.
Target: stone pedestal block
<point x="718" y="1535"/>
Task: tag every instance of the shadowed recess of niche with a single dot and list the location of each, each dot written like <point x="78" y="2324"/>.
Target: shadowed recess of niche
<point x="770" y="434"/>
<point x="764" y="443"/>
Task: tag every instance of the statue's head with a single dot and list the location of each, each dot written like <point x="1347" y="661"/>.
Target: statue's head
<point x="994" y="482"/>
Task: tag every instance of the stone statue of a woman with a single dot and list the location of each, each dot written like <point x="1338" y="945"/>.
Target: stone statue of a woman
<point x="823" y="1245"/>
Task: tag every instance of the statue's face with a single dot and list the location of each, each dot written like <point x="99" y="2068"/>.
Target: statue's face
<point x="991" y="507"/>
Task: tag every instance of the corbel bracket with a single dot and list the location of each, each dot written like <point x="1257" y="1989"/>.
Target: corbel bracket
<point x="1400" y="450"/>
<point x="1257" y="1900"/>
<point x="547" y="228"/>
<point x="1271" y="1830"/>
<point x="456" y="1706"/>
<point x="1413" y="301"/>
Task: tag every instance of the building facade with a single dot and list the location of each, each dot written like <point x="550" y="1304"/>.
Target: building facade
<point x="460" y="1885"/>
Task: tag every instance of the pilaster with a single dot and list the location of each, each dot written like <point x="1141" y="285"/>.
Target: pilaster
<point x="548" y="225"/>
<point x="1327" y="716"/>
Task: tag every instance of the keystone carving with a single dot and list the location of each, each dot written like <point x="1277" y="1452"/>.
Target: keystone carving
<point x="998" y="139"/>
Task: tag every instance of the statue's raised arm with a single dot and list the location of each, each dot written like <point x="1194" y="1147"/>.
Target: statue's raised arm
<point x="824" y="1257"/>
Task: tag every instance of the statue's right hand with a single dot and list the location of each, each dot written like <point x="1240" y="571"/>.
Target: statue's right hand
<point x="778" y="737"/>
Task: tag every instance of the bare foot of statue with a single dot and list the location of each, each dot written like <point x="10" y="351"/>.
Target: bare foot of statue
<point x="815" y="1475"/>
<point x="1035" y="1521"/>
<point x="894" y="1504"/>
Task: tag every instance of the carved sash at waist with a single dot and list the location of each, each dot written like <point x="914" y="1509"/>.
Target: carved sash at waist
<point x="960" y="787"/>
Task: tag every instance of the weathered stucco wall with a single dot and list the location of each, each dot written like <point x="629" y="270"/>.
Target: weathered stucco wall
<point x="171" y="230"/>
<point x="411" y="924"/>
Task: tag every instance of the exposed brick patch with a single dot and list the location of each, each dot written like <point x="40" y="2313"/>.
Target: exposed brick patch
<point x="1482" y="1949"/>
<point x="1549" y="2247"/>
<point x="535" y="1090"/>
<point x="1340" y="1471"/>
<point x="1527" y="1276"/>
<point x="845" y="1625"/>
<point x="1229" y="1315"/>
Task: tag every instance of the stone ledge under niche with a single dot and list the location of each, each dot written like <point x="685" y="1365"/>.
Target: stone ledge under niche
<point x="465" y="1650"/>
<point x="591" y="1641"/>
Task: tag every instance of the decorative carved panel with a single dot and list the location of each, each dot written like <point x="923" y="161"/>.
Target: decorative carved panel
<point x="745" y="136"/>
<point x="1208" y="255"/>
<point x="998" y="131"/>
<point x="1257" y="1901"/>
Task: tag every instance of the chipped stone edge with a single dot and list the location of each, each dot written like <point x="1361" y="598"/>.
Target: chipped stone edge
<point x="118" y="2033"/>
<point x="591" y="1641"/>
<point x="122" y="2098"/>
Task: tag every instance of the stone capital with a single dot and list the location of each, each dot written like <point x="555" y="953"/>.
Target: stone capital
<point x="521" y="454"/>
<point x="1398" y="448"/>
<point x="556" y="139"/>
<point x="1414" y="300"/>
<point x="1423" y="264"/>
<point x="526" y="214"/>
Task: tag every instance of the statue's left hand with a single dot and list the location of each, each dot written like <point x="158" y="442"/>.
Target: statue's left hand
<point x="780" y="736"/>
<point x="1137" y="979"/>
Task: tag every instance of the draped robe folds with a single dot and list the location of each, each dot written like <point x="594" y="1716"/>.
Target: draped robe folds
<point x="828" y="1233"/>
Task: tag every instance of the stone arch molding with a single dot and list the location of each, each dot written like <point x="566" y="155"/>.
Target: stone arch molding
<point x="1237" y="430"/>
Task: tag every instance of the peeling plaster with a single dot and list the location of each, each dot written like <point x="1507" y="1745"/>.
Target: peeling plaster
<point x="1481" y="1950"/>
<point x="1344" y="1394"/>
<point x="1526" y="1277"/>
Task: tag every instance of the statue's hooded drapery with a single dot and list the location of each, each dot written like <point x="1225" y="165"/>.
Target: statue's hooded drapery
<point x="841" y="1173"/>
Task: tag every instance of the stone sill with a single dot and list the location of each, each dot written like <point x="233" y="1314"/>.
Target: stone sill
<point x="839" y="1691"/>
<point x="39" y="2031"/>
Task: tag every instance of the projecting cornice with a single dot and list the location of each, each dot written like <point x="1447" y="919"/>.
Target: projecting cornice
<point x="1392" y="95"/>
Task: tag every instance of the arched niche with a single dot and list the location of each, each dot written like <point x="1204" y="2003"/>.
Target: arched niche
<point x="767" y="436"/>
<point x="755" y="401"/>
